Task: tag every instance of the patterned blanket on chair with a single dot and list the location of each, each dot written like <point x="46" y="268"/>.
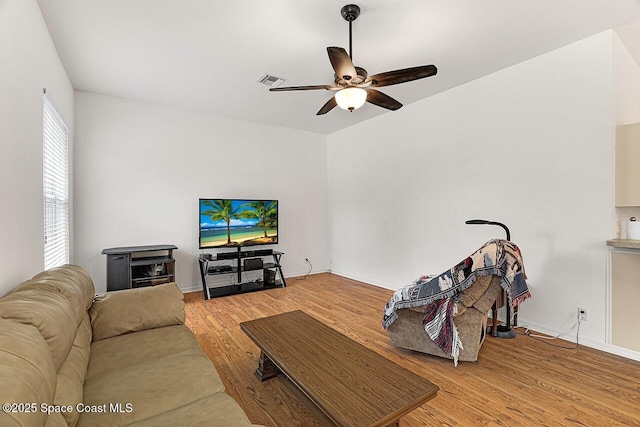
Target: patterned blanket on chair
<point x="438" y="294"/>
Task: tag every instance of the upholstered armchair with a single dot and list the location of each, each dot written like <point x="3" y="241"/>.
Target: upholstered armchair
<point x="446" y="315"/>
<point x="471" y="321"/>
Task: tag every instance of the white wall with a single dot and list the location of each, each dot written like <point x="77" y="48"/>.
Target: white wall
<point x="29" y="62"/>
<point x="141" y="168"/>
<point x="530" y="146"/>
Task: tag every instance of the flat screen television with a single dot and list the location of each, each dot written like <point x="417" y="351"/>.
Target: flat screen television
<point x="228" y="223"/>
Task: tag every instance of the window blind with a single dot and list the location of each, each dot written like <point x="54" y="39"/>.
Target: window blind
<point x="55" y="187"/>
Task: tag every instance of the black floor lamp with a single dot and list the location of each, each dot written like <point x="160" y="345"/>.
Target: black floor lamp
<point x="502" y="331"/>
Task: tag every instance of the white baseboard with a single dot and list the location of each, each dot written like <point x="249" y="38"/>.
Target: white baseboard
<point x="588" y="342"/>
<point x="368" y="281"/>
<point x="194" y="288"/>
<point x="304" y="273"/>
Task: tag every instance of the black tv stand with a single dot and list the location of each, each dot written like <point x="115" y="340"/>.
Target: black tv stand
<point x="270" y="279"/>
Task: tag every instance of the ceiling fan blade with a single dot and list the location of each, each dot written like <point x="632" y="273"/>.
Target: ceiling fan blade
<point x="341" y="63"/>
<point x="330" y="105"/>
<point x="402" y="76"/>
<point x="381" y="100"/>
<point x="316" y="87"/>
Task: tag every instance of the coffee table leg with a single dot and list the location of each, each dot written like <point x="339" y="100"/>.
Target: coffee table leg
<point x="266" y="368"/>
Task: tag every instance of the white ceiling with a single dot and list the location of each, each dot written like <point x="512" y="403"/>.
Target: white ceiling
<point x="206" y="55"/>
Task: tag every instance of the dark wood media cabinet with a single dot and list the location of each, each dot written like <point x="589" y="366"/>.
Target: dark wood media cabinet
<point x="272" y="276"/>
<point x="139" y="266"/>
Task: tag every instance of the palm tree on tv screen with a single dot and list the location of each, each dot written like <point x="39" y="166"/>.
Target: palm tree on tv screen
<point x="263" y="210"/>
<point x="221" y="210"/>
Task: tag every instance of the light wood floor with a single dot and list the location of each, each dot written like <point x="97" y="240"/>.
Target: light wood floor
<point x="516" y="382"/>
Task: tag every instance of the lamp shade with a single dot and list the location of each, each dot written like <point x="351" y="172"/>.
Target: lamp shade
<point x="351" y="98"/>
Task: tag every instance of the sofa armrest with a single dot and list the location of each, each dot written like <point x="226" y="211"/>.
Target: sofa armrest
<point x="133" y="310"/>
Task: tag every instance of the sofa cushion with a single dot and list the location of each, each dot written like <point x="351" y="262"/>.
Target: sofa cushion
<point x="200" y="414"/>
<point x="70" y="378"/>
<point x="27" y="372"/>
<point x="49" y="311"/>
<point x="56" y="419"/>
<point x="69" y="280"/>
<point x="132" y="310"/>
<point x="155" y="386"/>
<point x="133" y="349"/>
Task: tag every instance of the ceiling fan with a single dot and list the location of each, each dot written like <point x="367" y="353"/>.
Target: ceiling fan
<point x="353" y="85"/>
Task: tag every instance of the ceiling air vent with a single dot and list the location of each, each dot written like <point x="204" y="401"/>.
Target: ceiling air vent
<point x="271" y="81"/>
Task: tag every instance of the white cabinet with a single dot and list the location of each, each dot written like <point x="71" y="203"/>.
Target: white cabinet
<point x="625" y="300"/>
<point x="628" y="165"/>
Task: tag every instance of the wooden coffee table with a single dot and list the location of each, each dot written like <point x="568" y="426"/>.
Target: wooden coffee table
<point x="352" y="385"/>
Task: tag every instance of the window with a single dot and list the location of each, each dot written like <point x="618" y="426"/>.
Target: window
<point x="55" y="168"/>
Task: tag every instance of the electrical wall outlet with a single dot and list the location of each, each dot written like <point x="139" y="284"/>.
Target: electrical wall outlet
<point x="583" y="314"/>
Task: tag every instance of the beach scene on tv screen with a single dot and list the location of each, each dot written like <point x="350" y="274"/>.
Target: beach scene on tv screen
<point x="225" y="222"/>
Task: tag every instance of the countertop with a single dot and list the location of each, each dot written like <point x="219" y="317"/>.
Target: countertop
<point x="624" y="243"/>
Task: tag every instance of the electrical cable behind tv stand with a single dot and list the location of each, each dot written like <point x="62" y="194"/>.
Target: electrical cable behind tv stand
<point x="271" y="271"/>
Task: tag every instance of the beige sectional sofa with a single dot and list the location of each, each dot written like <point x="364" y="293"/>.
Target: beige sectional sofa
<point x="120" y="359"/>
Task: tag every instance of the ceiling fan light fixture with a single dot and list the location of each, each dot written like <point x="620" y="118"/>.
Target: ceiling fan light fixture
<point x="350" y="80"/>
<point x="351" y="98"/>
